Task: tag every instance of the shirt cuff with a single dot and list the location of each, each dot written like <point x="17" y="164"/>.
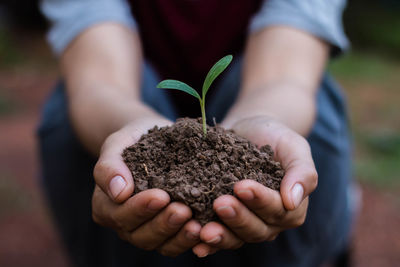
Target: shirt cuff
<point x="319" y="18"/>
<point x="71" y="20"/>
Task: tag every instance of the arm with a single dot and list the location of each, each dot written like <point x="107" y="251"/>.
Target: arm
<point x="282" y="70"/>
<point x="103" y="80"/>
<point x="276" y="105"/>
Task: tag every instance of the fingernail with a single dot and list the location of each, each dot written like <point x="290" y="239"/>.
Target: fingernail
<point x="246" y="194"/>
<point x="297" y="194"/>
<point x="155" y="205"/>
<point x="192" y="236"/>
<point x="215" y="240"/>
<point x="202" y="255"/>
<point x="176" y="219"/>
<point x="226" y="212"/>
<point x="117" y="184"/>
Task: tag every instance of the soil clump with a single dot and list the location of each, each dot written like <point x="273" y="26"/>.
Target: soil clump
<point x="195" y="170"/>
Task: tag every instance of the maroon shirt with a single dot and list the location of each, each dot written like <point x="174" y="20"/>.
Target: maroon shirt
<point x="184" y="38"/>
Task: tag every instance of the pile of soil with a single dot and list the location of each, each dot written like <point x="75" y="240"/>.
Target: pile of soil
<point x="197" y="170"/>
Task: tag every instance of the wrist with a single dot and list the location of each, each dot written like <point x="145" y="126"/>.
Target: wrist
<point x="283" y="102"/>
<point x="95" y="118"/>
<point x="233" y="119"/>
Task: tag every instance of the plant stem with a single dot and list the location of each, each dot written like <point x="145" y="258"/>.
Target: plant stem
<point x="203" y="116"/>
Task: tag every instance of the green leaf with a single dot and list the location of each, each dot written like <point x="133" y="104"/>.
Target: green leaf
<point x="178" y="85"/>
<point x="215" y="71"/>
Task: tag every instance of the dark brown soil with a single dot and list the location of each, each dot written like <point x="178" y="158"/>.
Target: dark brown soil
<point x="196" y="170"/>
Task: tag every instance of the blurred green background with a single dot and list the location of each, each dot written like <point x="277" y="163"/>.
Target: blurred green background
<point x="370" y="74"/>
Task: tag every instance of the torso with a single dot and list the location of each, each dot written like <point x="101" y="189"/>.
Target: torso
<point x="184" y="38"/>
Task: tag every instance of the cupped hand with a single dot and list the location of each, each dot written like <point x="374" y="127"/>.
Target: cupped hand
<point x="147" y="220"/>
<point x="257" y="213"/>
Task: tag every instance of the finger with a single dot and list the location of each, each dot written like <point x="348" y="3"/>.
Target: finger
<point x="110" y="172"/>
<point x="186" y="238"/>
<point x="263" y="201"/>
<point x="240" y="220"/>
<point x="167" y="223"/>
<point x="102" y="206"/>
<point x="132" y="213"/>
<point x="217" y="235"/>
<point x="203" y="250"/>
<point x="139" y="209"/>
<point x="267" y="204"/>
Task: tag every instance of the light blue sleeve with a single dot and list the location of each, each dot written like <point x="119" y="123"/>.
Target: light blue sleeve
<point x="70" y="17"/>
<point x="321" y="18"/>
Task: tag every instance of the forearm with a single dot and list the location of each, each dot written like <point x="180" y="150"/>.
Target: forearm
<point x="281" y="73"/>
<point x="102" y="70"/>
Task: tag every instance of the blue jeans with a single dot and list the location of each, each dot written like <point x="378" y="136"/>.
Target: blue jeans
<point x="68" y="183"/>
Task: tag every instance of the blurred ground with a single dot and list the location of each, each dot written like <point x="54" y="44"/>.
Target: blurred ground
<point x="27" y="235"/>
<point x="27" y="72"/>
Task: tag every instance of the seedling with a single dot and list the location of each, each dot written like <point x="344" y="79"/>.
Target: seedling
<point x="214" y="72"/>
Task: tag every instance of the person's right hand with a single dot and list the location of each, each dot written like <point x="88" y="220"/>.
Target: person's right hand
<point x="147" y="220"/>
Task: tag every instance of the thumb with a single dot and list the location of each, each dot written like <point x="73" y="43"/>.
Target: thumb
<point x="301" y="177"/>
<point x="110" y="172"/>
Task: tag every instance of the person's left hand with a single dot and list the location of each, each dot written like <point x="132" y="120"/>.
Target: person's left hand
<point x="257" y="213"/>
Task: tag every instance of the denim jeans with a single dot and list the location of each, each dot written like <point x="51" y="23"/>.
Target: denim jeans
<point x="67" y="180"/>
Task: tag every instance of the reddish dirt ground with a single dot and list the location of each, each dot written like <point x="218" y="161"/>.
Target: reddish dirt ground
<point x="27" y="235"/>
<point x="377" y="233"/>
